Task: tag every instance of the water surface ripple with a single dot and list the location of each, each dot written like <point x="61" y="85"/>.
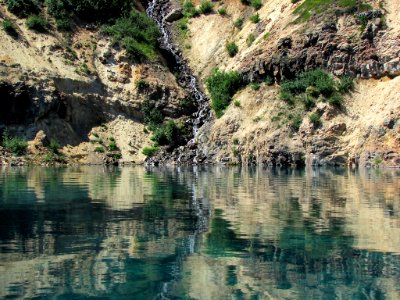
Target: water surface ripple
<point x="199" y="233"/>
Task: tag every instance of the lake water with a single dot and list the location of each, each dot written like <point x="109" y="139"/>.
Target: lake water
<point x="199" y="233"/>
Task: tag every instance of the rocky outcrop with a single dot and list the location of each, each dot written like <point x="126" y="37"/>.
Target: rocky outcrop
<point x="328" y="49"/>
<point x="174" y="15"/>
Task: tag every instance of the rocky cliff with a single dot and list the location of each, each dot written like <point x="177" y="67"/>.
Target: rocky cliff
<point x="82" y="90"/>
<point x="361" y="42"/>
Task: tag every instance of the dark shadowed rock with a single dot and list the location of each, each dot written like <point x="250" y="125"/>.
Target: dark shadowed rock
<point x="285" y="43"/>
<point x="174" y="15"/>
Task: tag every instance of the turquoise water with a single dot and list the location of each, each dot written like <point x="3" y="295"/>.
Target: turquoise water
<point x="199" y="233"/>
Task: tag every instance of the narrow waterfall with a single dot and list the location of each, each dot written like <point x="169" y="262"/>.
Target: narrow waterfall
<point x="157" y="10"/>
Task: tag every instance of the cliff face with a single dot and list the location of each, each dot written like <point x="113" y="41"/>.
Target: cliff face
<point x="82" y="91"/>
<point x="364" y="44"/>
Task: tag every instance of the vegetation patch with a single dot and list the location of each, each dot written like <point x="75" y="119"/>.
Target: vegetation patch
<point x="305" y="90"/>
<point x="112" y="146"/>
<point x="232" y="49"/>
<point x="137" y="34"/>
<point x="314" y="85"/>
<point x="170" y="134"/>
<point x="310" y="8"/>
<point x="23" y="8"/>
<point x="9" y="28"/>
<point x="152" y="115"/>
<point x="189" y="10"/>
<point x="206" y="7"/>
<point x="54" y="146"/>
<point x="315" y="119"/>
<point x="14" y="144"/>
<point x="255" y="18"/>
<point x="89" y="10"/>
<point x="222" y="11"/>
<point x="238" y="23"/>
<point x="256" y="4"/>
<point x="150" y="151"/>
<point x="99" y="149"/>
<point x="37" y="23"/>
<point x="250" y="39"/>
<point x="255" y="86"/>
<point x="222" y="86"/>
<point x="141" y="85"/>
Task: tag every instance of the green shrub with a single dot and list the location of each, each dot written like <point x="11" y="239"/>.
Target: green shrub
<point x="37" y="23"/>
<point x="255" y="86"/>
<point x="137" y="34"/>
<point x="149" y="151"/>
<point x="222" y="86"/>
<point x="188" y="105"/>
<point x="255" y="18"/>
<point x="183" y="26"/>
<point x="189" y="10"/>
<point x="222" y="11"/>
<point x="315" y="119"/>
<point x="15" y="145"/>
<point x="250" y="39"/>
<point x="117" y="156"/>
<point x="346" y="84"/>
<point x="169" y="134"/>
<point x="152" y="115"/>
<point x="256" y="4"/>
<point x="63" y="24"/>
<point x="206" y="7"/>
<point x="237" y="103"/>
<point x="84" y="70"/>
<point x="49" y="157"/>
<point x="54" y="146"/>
<point x="141" y="84"/>
<point x="238" y="23"/>
<point x="112" y="146"/>
<point x="9" y="27"/>
<point x="308" y="101"/>
<point x="99" y="149"/>
<point x="90" y="10"/>
<point x="320" y="80"/>
<point x="295" y="122"/>
<point x="336" y="100"/>
<point x="23" y="8"/>
<point x="232" y="49"/>
<point x="235" y="151"/>
<point x="269" y="80"/>
<point x="267" y="35"/>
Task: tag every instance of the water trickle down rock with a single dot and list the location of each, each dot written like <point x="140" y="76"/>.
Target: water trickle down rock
<point x="158" y="10"/>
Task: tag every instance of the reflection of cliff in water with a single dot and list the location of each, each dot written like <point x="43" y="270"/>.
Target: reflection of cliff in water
<point x="60" y="225"/>
<point x="279" y="234"/>
<point x="134" y="232"/>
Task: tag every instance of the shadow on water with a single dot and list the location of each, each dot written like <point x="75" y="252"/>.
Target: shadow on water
<point x="199" y="233"/>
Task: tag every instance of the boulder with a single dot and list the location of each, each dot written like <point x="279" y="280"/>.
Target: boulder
<point x="174" y="15"/>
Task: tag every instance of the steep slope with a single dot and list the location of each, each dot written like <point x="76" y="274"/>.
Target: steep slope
<point x="81" y="90"/>
<point x="361" y="40"/>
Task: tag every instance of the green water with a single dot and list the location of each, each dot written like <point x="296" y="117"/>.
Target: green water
<point x="199" y="233"/>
